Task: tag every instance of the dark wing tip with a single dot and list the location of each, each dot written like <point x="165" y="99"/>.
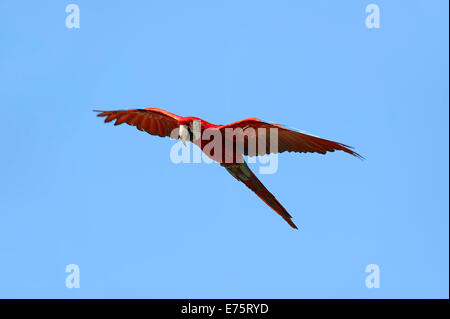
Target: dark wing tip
<point x="349" y="150"/>
<point x="356" y="155"/>
<point x="362" y="158"/>
<point x="100" y="113"/>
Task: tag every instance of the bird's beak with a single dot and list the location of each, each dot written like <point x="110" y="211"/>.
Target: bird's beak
<point x="183" y="133"/>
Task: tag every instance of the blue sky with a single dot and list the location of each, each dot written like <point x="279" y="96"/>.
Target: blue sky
<point x="76" y="191"/>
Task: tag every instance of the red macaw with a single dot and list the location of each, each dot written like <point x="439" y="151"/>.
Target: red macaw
<point x="162" y="123"/>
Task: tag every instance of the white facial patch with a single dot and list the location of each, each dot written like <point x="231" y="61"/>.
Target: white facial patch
<point x="196" y="127"/>
<point x="183" y="133"/>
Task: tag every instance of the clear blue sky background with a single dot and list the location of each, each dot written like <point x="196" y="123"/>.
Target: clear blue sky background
<point x="74" y="190"/>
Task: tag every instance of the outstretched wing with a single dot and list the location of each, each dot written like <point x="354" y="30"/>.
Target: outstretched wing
<point x="242" y="173"/>
<point x="151" y="120"/>
<point x="253" y="130"/>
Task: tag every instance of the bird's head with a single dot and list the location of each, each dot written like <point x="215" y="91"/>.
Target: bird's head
<point x="190" y="129"/>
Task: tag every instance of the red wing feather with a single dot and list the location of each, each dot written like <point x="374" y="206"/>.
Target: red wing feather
<point x="151" y="120"/>
<point x="288" y="140"/>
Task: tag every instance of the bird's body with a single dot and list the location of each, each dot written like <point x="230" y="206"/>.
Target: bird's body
<point x="228" y="144"/>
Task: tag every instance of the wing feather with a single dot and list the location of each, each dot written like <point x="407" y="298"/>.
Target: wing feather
<point x="151" y="120"/>
<point x="288" y="140"/>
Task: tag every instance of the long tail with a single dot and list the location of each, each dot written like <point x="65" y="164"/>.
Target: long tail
<point x="242" y="173"/>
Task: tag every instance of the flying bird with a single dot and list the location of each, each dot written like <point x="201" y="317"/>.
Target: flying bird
<point x="252" y="137"/>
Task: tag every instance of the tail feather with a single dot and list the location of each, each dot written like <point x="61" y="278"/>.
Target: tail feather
<point x="242" y="173"/>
